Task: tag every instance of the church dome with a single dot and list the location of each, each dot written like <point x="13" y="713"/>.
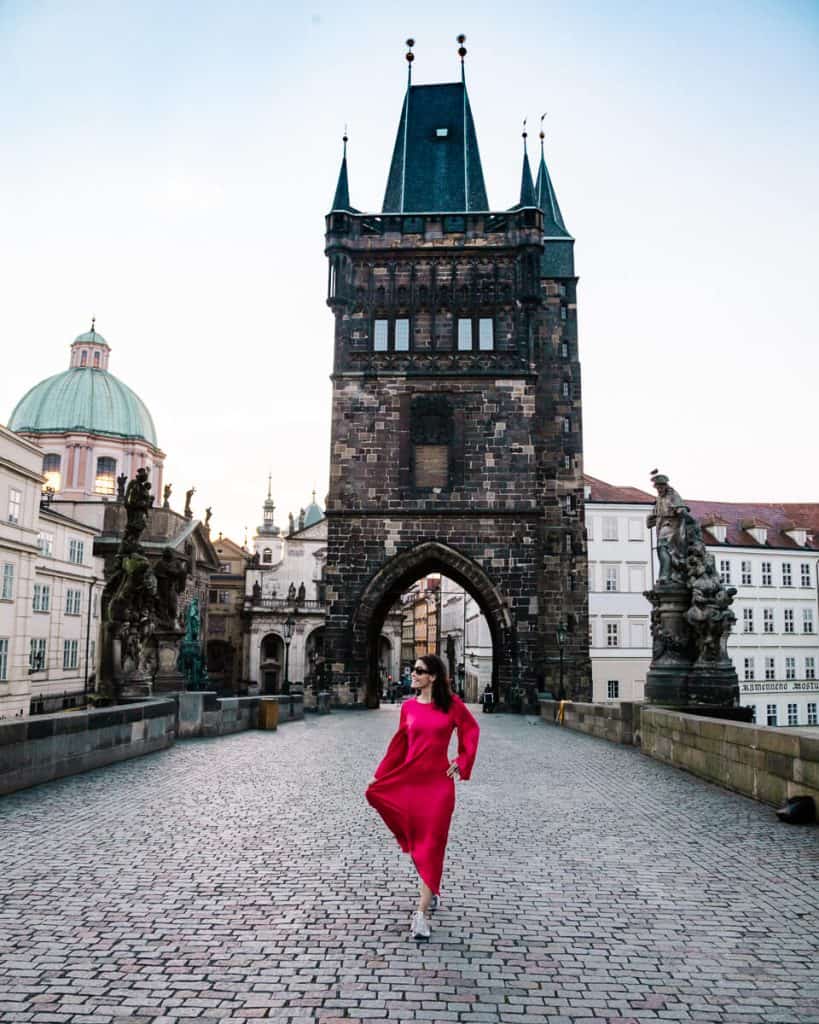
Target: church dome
<point x="313" y="513"/>
<point x="84" y="400"/>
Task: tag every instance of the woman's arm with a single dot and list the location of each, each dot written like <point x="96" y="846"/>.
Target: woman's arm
<point x="396" y="751"/>
<point x="468" y="733"/>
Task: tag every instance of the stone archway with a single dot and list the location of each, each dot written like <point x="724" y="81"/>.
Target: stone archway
<point x="402" y="570"/>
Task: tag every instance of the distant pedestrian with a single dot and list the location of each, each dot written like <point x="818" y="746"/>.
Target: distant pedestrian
<point x="414" y="786"/>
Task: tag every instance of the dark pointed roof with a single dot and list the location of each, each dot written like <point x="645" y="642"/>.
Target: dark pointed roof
<point x="341" y="200"/>
<point x="553" y="224"/>
<point x="436" y="165"/>
<point x="527" y="188"/>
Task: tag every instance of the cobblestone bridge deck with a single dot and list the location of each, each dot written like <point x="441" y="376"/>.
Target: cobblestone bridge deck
<point x="246" y="878"/>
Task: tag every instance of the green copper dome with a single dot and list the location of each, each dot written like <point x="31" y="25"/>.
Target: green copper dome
<point x="84" y="400"/>
<point x="91" y="337"/>
<point x="313" y="513"/>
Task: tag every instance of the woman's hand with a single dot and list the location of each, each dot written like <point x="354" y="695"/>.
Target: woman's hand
<point x="454" y="771"/>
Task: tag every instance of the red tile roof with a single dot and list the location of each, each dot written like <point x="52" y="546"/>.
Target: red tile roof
<point x="737" y="516"/>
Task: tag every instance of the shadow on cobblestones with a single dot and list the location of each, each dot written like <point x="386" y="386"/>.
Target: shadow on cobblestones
<point x="246" y="878"/>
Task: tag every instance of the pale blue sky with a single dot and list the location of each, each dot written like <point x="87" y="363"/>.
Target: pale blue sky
<point x="167" y="167"/>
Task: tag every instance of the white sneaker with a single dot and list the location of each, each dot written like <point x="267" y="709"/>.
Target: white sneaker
<point x="419" y="928"/>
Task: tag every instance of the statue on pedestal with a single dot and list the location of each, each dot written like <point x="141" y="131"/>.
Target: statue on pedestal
<point x="669" y="519"/>
<point x="188" y="496"/>
<point x="138" y="501"/>
<point x="166" y="495"/>
<point x="191" y="662"/>
<point x="122" y="480"/>
<point x="171" y="574"/>
<point x="208" y="514"/>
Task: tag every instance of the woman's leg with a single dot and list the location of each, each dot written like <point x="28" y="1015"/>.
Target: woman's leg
<point x="424" y="897"/>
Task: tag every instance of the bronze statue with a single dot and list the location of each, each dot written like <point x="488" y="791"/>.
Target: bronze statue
<point x="190" y="662"/>
<point x="166" y="495"/>
<point x="188" y="495"/>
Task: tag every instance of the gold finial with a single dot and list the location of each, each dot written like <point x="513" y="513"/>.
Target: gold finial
<point x="410" y="54"/>
<point x="461" y="47"/>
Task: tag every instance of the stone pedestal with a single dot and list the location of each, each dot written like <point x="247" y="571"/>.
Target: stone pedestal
<point x="713" y="684"/>
<point x="168" y="677"/>
<point x="134" y="682"/>
<point x="666" y="680"/>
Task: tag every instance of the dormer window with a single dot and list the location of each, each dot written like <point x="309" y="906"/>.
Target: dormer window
<point x="719" y="531"/>
<point x="759" y="533"/>
<point x="798" y="536"/>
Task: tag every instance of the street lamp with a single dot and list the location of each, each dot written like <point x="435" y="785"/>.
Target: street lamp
<point x="561" y="643"/>
<point x="288" y="636"/>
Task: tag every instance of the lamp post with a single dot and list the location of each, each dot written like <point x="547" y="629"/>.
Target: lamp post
<point x="288" y="636"/>
<point x="561" y="643"/>
<point x="91" y="584"/>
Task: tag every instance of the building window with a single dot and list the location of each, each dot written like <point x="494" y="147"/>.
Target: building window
<point x="747" y="578"/>
<point x="635" y="530"/>
<point x="563" y="313"/>
<point x="76" y="550"/>
<point x="767" y="620"/>
<point x="804" y="574"/>
<point x="790" y="668"/>
<point x="567" y="462"/>
<point x="401" y="336"/>
<point x="51" y="471"/>
<point x="793" y="714"/>
<point x="95" y="604"/>
<point x="96" y="360"/>
<point x="481" y="328"/>
<point x="613" y="689"/>
<point x="83" y="358"/>
<point x="812" y="718"/>
<point x="767" y="578"/>
<point x="486" y="334"/>
<point x="73" y="599"/>
<point x="106" y="482"/>
<point x="725" y="571"/>
<point x="45" y="542"/>
<point x="771" y="714"/>
<point x="810" y="667"/>
<point x="41" y="602"/>
<point x="612" y="578"/>
<point x="70" y="653"/>
<point x="753" y="714"/>
<point x="267" y="555"/>
<point x="7" y="592"/>
<point x="747" y="620"/>
<point x="807" y="620"/>
<point x="4" y="659"/>
<point x="224" y="597"/>
<point x="612" y="634"/>
<point x="37" y="654"/>
<point x="750" y="669"/>
<point x="381" y="334"/>
<point x="609" y="528"/>
<point x="15" y="504"/>
<point x="787" y="579"/>
<point x="789" y="620"/>
<point x="770" y="669"/>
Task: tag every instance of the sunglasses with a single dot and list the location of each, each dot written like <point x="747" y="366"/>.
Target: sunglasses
<point x="421" y="671"/>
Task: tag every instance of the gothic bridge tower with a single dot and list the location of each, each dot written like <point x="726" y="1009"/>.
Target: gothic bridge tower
<point x="456" y="421"/>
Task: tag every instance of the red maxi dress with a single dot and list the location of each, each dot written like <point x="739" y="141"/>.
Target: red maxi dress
<point x="411" y="791"/>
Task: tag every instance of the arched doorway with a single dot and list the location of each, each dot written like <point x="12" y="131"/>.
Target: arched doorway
<point x="270" y="663"/>
<point x="397" y="575"/>
<point x="221" y="655"/>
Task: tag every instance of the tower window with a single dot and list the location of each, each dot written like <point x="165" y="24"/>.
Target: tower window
<point x="391" y="334"/>
<point x="51" y="471"/>
<point x="481" y="328"/>
<point x="267" y="555"/>
<point x="431" y="433"/>
<point x="105" y="482"/>
<point x="96" y="359"/>
<point x="441" y="133"/>
<point x="84" y="358"/>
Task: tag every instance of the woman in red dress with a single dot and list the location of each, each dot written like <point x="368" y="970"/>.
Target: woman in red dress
<point x="414" y="786"/>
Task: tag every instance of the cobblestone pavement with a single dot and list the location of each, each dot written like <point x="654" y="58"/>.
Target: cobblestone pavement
<point x="246" y="878"/>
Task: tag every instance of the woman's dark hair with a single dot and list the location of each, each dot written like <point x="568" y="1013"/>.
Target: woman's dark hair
<point x="441" y="692"/>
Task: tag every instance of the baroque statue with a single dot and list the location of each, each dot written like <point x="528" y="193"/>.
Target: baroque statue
<point x="188" y="497"/>
<point x="171" y="575"/>
<point x="166" y="495"/>
<point x="691" y="615"/>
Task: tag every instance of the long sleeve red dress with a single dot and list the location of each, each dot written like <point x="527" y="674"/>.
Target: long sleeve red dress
<point x="412" y="792"/>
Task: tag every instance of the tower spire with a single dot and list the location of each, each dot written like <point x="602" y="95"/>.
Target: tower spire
<point x="553" y="224"/>
<point x="527" y="188"/>
<point x="341" y="200"/>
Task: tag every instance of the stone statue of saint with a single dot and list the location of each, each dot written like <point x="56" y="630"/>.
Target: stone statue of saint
<point x="122" y="480"/>
<point x="188" y="496"/>
<point x="138" y="501"/>
<point x="292" y="524"/>
<point x="710" y="615"/>
<point x="171" y="574"/>
<point x="208" y="514"/>
<point x="166" y="495"/>
<point x="670" y="517"/>
<point x="291" y="592"/>
<point x="301" y="594"/>
<point x="257" y="592"/>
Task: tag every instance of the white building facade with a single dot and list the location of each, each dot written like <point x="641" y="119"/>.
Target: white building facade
<point x="50" y="586"/>
<point x="769" y="552"/>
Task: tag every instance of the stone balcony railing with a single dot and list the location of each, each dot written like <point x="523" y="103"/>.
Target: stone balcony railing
<point x="278" y="604"/>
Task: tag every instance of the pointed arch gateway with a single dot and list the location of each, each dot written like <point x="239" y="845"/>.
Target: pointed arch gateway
<point x="396" y="575"/>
